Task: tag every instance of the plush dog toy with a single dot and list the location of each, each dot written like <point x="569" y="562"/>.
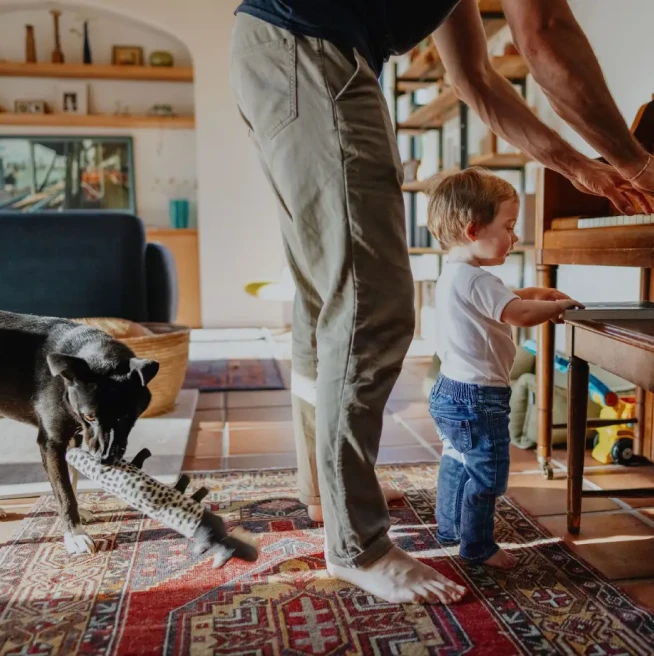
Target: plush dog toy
<point x="169" y="505"/>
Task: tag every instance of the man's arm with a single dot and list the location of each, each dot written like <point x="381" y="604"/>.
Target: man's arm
<point x="462" y="46"/>
<point x="564" y="65"/>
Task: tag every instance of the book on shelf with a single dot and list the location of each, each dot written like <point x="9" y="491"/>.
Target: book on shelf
<point x="605" y="311"/>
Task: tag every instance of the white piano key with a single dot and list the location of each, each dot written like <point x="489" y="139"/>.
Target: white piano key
<point x="614" y="221"/>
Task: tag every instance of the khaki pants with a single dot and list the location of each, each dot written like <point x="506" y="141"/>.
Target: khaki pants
<point x="321" y="126"/>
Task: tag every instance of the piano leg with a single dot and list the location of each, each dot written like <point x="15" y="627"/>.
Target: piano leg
<point x="641" y="427"/>
<point x="545" y="277"/>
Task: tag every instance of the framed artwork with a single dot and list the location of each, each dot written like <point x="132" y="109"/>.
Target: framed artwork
<point x="72" y="98"/>
<point x="127" y="56"/>
<point x="29" y="106"/>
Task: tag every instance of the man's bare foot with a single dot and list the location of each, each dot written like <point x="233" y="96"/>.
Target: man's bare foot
<point x="502" y="560"/>
<point x="399" y="579"/>
<point x="390" y="494"/>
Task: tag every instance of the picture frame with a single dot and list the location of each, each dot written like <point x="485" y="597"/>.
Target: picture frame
<point x="127" y="56"/>
<point x="72" y="98"/>
<point x="29" y="107"/>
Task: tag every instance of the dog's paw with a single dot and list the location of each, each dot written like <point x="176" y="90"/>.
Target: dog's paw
<point x="78" y="541"/>
<point x="3" y="513"/>
<point x="86" y="516"/>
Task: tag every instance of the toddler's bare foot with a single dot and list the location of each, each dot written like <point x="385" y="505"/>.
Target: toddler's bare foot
<point x="398" y="578"/>
<point x="390" y="494"/>
<point x="502" y="560"/>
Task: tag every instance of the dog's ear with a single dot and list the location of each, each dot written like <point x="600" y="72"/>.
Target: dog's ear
<point x="70" y="368"/>
<point x="143" y="370"/>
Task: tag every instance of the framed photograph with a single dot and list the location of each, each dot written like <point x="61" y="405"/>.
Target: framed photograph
<point x="29" y="106"/>
<point x="72" y="98"/>
<point x="127" y="56"/>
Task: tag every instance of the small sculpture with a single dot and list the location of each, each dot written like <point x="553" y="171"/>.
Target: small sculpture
<point x="161" y="58"/>
<point x="87" y="45"/>
<point x="30" y="44"/>
<point x="57" y="54"/>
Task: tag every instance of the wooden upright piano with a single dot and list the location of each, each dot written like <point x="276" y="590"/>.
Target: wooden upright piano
<point x="576" y="228"/>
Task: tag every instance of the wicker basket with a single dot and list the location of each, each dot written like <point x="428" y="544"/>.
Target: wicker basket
<point x="166" y="343"/>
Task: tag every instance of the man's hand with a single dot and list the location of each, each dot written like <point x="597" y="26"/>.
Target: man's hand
<point x="599" y="179"/>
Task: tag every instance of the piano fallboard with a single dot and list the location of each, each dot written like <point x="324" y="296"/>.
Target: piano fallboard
<point x="622" y="245"/>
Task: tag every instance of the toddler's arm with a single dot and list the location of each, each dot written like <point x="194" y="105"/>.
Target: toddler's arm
<point x="526" y="313"/>
<point x="540" y="294"/>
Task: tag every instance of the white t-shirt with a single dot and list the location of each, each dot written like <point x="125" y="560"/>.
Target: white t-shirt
<point x="474" y="346"/>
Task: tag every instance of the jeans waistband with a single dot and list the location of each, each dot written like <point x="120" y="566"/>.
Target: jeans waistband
<point x="471" y="393"/>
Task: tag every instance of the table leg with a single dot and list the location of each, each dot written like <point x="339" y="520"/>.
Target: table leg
<point x="577" y="406"/>
<point x="546" y="277"/>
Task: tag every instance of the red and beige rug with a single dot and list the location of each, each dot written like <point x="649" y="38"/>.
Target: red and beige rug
<point x="145" y="593"/>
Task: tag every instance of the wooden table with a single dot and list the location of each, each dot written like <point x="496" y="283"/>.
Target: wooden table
<point x="624" y="348"/>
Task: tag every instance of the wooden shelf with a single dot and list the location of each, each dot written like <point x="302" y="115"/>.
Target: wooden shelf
<point x="416" y="186"/>
<point x="430" y="116"/>
<point x="97" y="121"/>
<point x="499" y="160"/>
<point x="97" y="71"/>
<point x="435" y="113"/>
<point x="421" y="250"/>
<point x="495" y="161"/>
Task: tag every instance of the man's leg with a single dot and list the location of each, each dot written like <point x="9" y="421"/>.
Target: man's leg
<point x="325" y="135"/>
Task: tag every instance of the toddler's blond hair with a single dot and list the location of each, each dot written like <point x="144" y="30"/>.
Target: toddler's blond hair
<point x="472" y="196"/>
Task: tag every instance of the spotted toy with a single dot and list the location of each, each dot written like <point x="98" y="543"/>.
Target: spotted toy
<point x="169" y="505"/>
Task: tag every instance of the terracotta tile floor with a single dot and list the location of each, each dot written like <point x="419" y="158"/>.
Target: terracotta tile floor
<point x="243" y="430"/>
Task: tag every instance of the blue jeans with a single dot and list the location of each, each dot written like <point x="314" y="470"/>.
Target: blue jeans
<point x="473" y="422"/>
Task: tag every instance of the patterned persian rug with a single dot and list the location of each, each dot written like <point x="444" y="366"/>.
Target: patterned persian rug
<point x="232" y="375"/>
<point x="145" y="593"/>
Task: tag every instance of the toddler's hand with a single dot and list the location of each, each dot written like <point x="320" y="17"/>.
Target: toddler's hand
<point x="550" y="294"/>
<point x="562" y="305"/>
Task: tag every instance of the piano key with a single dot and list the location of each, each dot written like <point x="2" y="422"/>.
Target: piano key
<point x="612" y="221"/>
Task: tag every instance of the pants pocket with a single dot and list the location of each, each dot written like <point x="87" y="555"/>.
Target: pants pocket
<point x="264" y="83"/>
<point x="458" y="431"/>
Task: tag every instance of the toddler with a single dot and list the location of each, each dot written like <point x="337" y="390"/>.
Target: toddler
<point x="473" y="215"/>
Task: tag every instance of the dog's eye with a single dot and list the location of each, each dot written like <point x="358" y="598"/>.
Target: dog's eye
<point x="88" y="418"/>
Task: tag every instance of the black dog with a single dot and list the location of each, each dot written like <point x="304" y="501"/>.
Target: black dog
<point x="72" y="382"/>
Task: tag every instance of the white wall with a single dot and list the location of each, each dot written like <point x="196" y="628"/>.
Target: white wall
<point x="239" y="238"/>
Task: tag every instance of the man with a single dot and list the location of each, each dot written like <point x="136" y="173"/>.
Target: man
<point x="304" y="75"/>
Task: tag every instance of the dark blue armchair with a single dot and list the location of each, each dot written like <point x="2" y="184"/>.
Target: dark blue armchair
<point x="79" y="263"/>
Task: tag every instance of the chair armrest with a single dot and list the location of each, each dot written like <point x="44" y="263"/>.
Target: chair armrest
<point x="162" y="288"/>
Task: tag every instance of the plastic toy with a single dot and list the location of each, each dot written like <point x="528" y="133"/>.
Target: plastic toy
<point x="611" y="443"/>
<point x="597" y="390"/>
<point x="169" y="505"/>
<point x="616" y="443"/>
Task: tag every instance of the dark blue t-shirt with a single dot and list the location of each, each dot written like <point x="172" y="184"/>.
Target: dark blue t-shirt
<point x="376" y="28"/>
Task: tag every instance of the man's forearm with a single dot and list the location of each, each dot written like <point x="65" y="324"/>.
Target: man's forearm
<point x="504" y="111"/>
<point x="564" y="65"/>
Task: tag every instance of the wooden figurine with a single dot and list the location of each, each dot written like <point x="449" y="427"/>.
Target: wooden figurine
<point x="30" y="44"/>
<point x="57" y="54"/>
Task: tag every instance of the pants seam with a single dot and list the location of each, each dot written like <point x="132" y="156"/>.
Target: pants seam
<point x="339" y="435"/>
